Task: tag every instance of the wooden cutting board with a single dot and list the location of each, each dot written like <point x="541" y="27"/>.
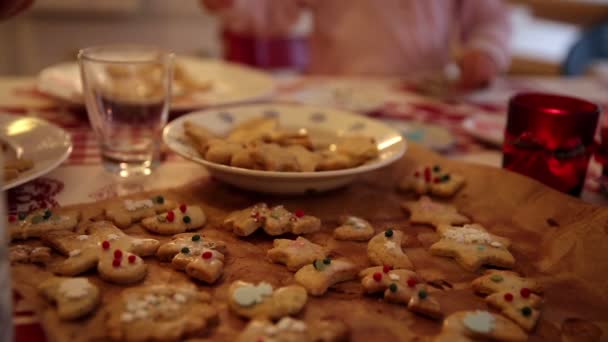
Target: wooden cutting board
<point x="558" y="239"/>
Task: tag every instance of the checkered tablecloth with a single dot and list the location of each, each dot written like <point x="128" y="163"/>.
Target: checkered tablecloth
<point x="64" y="186"/>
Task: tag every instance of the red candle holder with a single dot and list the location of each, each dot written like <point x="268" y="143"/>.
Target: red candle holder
<point x="550" y="138"/>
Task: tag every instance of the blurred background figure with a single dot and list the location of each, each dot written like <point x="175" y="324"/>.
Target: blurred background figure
<point x="390" y="37"/>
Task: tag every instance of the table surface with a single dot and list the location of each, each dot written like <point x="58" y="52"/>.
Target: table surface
<point x="65" y="185"/>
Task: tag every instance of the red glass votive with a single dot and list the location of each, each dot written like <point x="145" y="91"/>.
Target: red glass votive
<point x="550" y="138"/>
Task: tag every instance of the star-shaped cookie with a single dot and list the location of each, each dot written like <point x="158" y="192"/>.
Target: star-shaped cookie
<point x="295" y="253"/>
<point x="115" y="254"/>
<point x="200" y="257"/>
<point x="426" y="211"/>
<point x="472" y="246"/>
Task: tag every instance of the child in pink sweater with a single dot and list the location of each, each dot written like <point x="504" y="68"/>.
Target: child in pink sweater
<point x="385" y="37"/>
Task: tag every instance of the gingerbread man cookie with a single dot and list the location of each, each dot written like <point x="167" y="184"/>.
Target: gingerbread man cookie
<point x="426" y="211"/>
<point x="322" y="274"/>
<point x="472" y="246"/>
<point x="402" y="287"/>
<point x="274" y="221"/>
<point x="201" y="258"/>
<point x="29" y="254"/>
<point x="295" y="253"/>
<point x="40" y="222"/>
<point x="129" y="211"/>
<point x="179" y="220"/>
<point x="432" y="180"/>
<point x="74" y="297"/>
<point x="521" y="306"/>
<point x="262" y="301"/>
<point x="293" y="330"/>
<point x="385" y="249"/>
<point x="498" y="281"/>
<point x="159" y="313"/>
<point x="355" y="229"/>
<point x="115" y="254"/>
<point x="479" y="326"/>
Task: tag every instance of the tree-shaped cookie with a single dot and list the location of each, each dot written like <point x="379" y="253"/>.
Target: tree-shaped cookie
<point x="261" y="301"/>
<point x="521" y="306"/>
<point x="400" y="286"/>
<point x="385" y="249"/>
<point x="179" y="220"/>
<point x="159" y="313"/>
<point x="472" y="246"/>
<point x="354" y="228"/>
<point x="74" y="297"/>
<point x="295" y="253"/>
<point x="432" y="180"/>
<point x="427" y="211"/>
<point x="499" y="281"/>
<point x="292" y="330"/>
<point x="479" y="326"/>
<point x="274" y="221"/>
<point x="200" y="257"/>
<point x="324" y="273"/>
<point x="40" y="222"/>
<point x="115" y="254"/>
<point x="129" y="211"/>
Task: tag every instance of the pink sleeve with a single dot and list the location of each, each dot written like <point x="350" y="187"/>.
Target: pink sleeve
<point x="261" y="17"/>
<point x="485" y="26"/>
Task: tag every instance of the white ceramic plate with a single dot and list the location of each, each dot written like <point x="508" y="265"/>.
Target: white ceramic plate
<point x="231" y="83"/>
<point x="487" y="128"/>
<point x="32" y="138"/>
<point x="221" y="121"/>
<point x="432" y="136"/>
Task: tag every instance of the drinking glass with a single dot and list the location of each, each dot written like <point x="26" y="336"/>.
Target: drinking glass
<point x="550" y="138"/>
<point x="127" y="91"/>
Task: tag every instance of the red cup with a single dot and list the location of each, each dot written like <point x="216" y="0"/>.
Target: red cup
<point x="550" y="138"/>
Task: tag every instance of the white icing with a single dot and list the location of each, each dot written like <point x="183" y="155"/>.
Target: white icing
<point x="39" y="250"/>
<point x="82" y="237"/>
<point x="356" y="222"/>
<point x="126" y="317"/>
<point x="479" y="321"/>
<point x="290" y="324"/>
<point x="390" y="245"/>
<point x="112" y="237"/>
<point x="252" y="294"/>
<point x="470" y="234"/>
<point x="75" y="252"/>
<point x="75" y="288"/>
<point x="271" y="330"/>
<point x="393" y="276"/>
<point x="151" y="299"/>
<point x="180" y="298"/>
<point x="141" y="313"/>
<point x="132" y="205"/>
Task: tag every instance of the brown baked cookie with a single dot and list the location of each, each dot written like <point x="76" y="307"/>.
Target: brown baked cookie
<point x="179" y="220"/>
<point x="261" y="301"/>
<point x="479" y="326"/>
<point x="354" y="229"/>
<point x="40" y="222"/>
<point x="433" y="180"/>
<point x="522" y="306"/>
<point x="295" y="253"/>
<point x="105" y="247"/>
<point x="274" y="221"/>
<point x="129" y="211"/>
<point x="498" y="281"/>
<point x="28" y="254"/>
<point x="159" y="313"/>
<point x="427" y="211"/>
<point x="74" y="297"/>
<point x="385" y="249"/>
<point x="319" y="276"/>
<point x="292" y="330"/>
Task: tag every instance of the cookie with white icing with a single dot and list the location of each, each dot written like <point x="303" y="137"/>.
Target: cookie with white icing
<point x="179" y="220"/>
<point x="159" y="313"/>
<point x="385" y="249"/>
<point x="129" y="211"/>
<point x="319" y="276"/>
<point x="39" y="222"/>
<point x="274" y="221"/>
<point x="74" y="297"/>
<point x="29" y="254"/>
<point x="433" y="180"/>
<point x="479" y="326"/>
<point x="294" y="330"/>
<point x="262" y="301"/>
<point x="354" y="229"/>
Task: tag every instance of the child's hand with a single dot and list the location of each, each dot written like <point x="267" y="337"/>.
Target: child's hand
<point x="477" y="70"/>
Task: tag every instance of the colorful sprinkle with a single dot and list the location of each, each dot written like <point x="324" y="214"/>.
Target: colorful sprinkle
<point x="386" y="268"/>
<point x="437" y="180"/>
<point x="47" y="214"/>
<point x="117" y="254"/>
<point x="159" y="199"/>
<point x="377" y="276"/>
<point x="445" y="178"/>
<point x="525" y="292"/>
<point x="12" y="218"/>
<point x="497" y="278"/>
<point x="183" y="208"/>
<point x="481" y="247"/>
<point x="299" y="213"/>
<point x="132" y="258"/>
<point x="186" y="219"/>
<point x="508" y="297"/>
<point x="427" y="174"/>
<point x="436" y="168"/>
<point x="196" y="237"/>
<point x="21" y="216"/>
<point x="170" y="216"/>
<point x="417" y="174"/>
<point x="185" y="250"/>
<point x="393" y="287"/>
<point x="207" y="255"/>
<point x="116" y="262"/>
<point x="411" y="282"/>
<point x="318" y="265"/>
<point x="526" y="311"/>
<point x="327" y="261"/>
<point x="105" y="245"/>
<point x="388" y="233"/>
<point x="422" y="294"/>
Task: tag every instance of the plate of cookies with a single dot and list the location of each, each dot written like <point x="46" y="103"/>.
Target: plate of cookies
<point x="284" y="148"/>
<point x="30" y="148"/>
